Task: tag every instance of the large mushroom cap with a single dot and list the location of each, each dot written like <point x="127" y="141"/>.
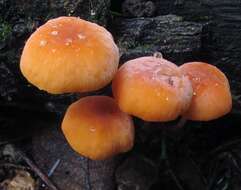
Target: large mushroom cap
<point x="96" y="128"/>
<point x="211" y="93"/>
<point x="152" y="89"/>
<point x="68" y="54"/>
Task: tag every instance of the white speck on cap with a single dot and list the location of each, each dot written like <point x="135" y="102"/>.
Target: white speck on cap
<point x="81" y="36"/>
<point x="92" y="129"/>
<point x="42" y="42"/>
<point x="54" y="32"/>
<point x="68" y="41"/>
<point x="197" y="79"/>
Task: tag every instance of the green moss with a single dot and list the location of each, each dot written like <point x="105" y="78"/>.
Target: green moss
<point x="98" y="11"/>
<point x="5" y="31"/>
<point x="197" y="18"/>
<point x="127" y="43"/>
<point x="144" y="47"/>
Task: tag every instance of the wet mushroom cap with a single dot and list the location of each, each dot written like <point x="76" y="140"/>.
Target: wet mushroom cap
<point x="95" y="127"/>
<point x="152" y="89"/>
<point x="68" y="54"/>
<point x="211" y="92"/>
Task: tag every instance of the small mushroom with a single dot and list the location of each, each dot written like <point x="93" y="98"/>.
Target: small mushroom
<point x="152" y="88"/>
<point x="68" y="54"/>
<point x="211" y="92"/>
<point x="95" y="127"/>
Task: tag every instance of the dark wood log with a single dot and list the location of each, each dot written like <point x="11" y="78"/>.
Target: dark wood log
<point x="176" y="39"/>
<point x="225" y="43"/>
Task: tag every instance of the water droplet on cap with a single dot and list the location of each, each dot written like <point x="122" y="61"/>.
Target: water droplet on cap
<point x="68" y="41"/>
<point x="92" y="129"/>
<point x="42" y="42"/>
<point x="92" y="12"/>
<point x="54" y="32"/>
<point x="81" y="36"/>
<point x="196" y="79"/>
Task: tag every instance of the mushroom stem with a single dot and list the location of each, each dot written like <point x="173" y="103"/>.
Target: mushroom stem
<point x="181" y="122"/>
<point x="163" y="145"/>
<point x="176" y="129"/>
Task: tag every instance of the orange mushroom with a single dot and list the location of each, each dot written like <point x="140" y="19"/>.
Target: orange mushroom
<point x="211" y="92"/>
<point x="152" y="89"/>
<point x="68" y="54"/>
<point x="95" y="127"/>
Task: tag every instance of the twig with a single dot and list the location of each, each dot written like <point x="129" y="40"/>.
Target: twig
<point x="51" y="171"/>
<point x="116" y="13"/>
<point x="181" y="122"/>
<point x="235" y="163"/>
<point x="174" y="177"/>
<point x="204" y="180"/>
<point x="37" y="171"/>
<point x="88" y="174"/>
<point x="225" y="146"/>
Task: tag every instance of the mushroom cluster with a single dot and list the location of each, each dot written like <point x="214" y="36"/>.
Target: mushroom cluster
<point x="68" y="54"/>
<point x="154" y="89"/>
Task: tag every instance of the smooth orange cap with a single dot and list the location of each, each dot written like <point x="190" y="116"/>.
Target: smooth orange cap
<point x="152" y="89"/>
<point x="95" y="127"/>
<point x="68" y="54"/>
<point x="211" y="92"/>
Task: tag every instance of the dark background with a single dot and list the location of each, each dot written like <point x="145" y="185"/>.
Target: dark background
<point x="200" y="156"/>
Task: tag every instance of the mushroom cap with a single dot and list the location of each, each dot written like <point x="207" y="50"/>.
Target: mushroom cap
<point x="152" y="89"/>
<point x="95" y="127"/>
<point x="211" y="92"/>
<point x="68" y="54"/>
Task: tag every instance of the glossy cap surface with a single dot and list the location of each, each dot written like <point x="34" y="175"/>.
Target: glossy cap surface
<point x="68" y="54"/>
<point x="152" y="89"/>
<point x="95" y="127"/>
<point x="211" y="92"/>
